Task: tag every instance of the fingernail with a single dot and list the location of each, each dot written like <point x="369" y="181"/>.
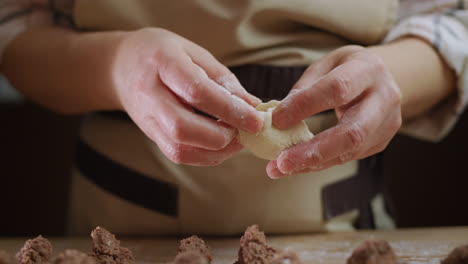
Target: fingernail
<point x="272" y="170"/>
<point x="274" y="173"/>
<point x="286" y="166"/>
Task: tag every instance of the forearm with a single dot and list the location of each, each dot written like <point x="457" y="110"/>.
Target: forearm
<point x="63" y="70"/>
<point x="422" y="75"/>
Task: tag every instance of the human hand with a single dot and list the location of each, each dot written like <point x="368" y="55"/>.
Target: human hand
<point x="367" y="102"/>
<point x="160" y="79"/>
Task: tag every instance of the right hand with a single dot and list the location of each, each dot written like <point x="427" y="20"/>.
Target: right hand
<point x="160" y="78"/>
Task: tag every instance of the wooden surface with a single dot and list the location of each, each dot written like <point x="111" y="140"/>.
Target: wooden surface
<point x="412" y="246"/>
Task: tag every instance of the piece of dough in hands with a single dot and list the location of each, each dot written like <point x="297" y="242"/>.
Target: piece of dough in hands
<point x="269" y="143"/>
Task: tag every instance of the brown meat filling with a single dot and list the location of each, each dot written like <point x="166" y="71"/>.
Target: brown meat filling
<point x="107" y="249"/>
<point x="373" y="252"/>
<point x="35" y="251"/>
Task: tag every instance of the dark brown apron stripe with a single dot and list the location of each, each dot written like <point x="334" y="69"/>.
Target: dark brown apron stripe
<point x="268" y="82"/>
<point x="355" y="192"/>
<point x="126" y="183"/>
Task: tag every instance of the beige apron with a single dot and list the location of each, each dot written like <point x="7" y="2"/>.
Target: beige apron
<point x="226" y="198"/>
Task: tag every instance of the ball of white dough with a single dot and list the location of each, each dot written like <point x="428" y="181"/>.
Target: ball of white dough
<point x="271" y="141"/>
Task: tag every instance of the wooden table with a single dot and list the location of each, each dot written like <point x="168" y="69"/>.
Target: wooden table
<point x="412" y="245"/>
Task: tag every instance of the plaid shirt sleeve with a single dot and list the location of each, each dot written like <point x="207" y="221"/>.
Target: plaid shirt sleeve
<point x="444" y="23"/>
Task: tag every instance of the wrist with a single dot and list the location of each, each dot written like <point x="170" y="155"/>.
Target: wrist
<point x="421" y="74"/>
<point x="93" y="57"/>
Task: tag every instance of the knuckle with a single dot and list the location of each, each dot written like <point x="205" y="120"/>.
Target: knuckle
<point x="395" y="95"/>
<point x="226" y="78"/>
<point x="355" y="136"/>
<point x="230" y="111"/>
<point x="299" y="86"/>
<point x="293" y="109"/>
<point x="346" y="157"/>
<point x="193" y="91"/>
<point x="177" y="131"/>
<point x="314" y="158"/>
<point x="339" y="89"/>
<point x="164" y="62"/>
<point x="288" y="159"/>
<point x="287" y="162"/>
<point x="177" y="155"/>
<point x="220" y="143"/>
<point x="222" y="72"/>
<point x="380" y="148"/>
<point x="217" y="142"/>
<point x="300" y="106"/>
<point x="159" y="55"/>
<point x="165" y="58"/>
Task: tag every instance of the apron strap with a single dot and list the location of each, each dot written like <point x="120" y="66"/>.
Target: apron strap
<point x="115" y="178"/>
<point x="338" y="198"/>
<point x="355" y="192"/>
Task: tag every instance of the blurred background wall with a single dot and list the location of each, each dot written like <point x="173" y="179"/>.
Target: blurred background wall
<point x="35" y="158"/>
<point x="36" y="152"/>
<point x="426" y="182"/>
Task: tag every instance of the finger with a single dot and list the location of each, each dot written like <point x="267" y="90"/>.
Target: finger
<point x="272" y="170"/>
<point x="188" y="128"/>
<point x="339" y="87"/>
<point x="179" y="121"/>
<point x="275" y="173"/>
<point x="232" y="84"/>
<point x="389" y="128"/>
<point x="376" y="143"/>
<point x="374" y="150"/>
<point x="188" y="81"/>
<point x="385" y="132"/>
<point x="341" y="160"/>
<point x="182" y="154"/>
<point x="323" y="66"/>
<point x="351" y="135"/>
<point x="220" y="73"/>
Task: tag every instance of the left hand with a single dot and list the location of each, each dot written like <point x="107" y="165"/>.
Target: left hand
<point x="367" y="101"/>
